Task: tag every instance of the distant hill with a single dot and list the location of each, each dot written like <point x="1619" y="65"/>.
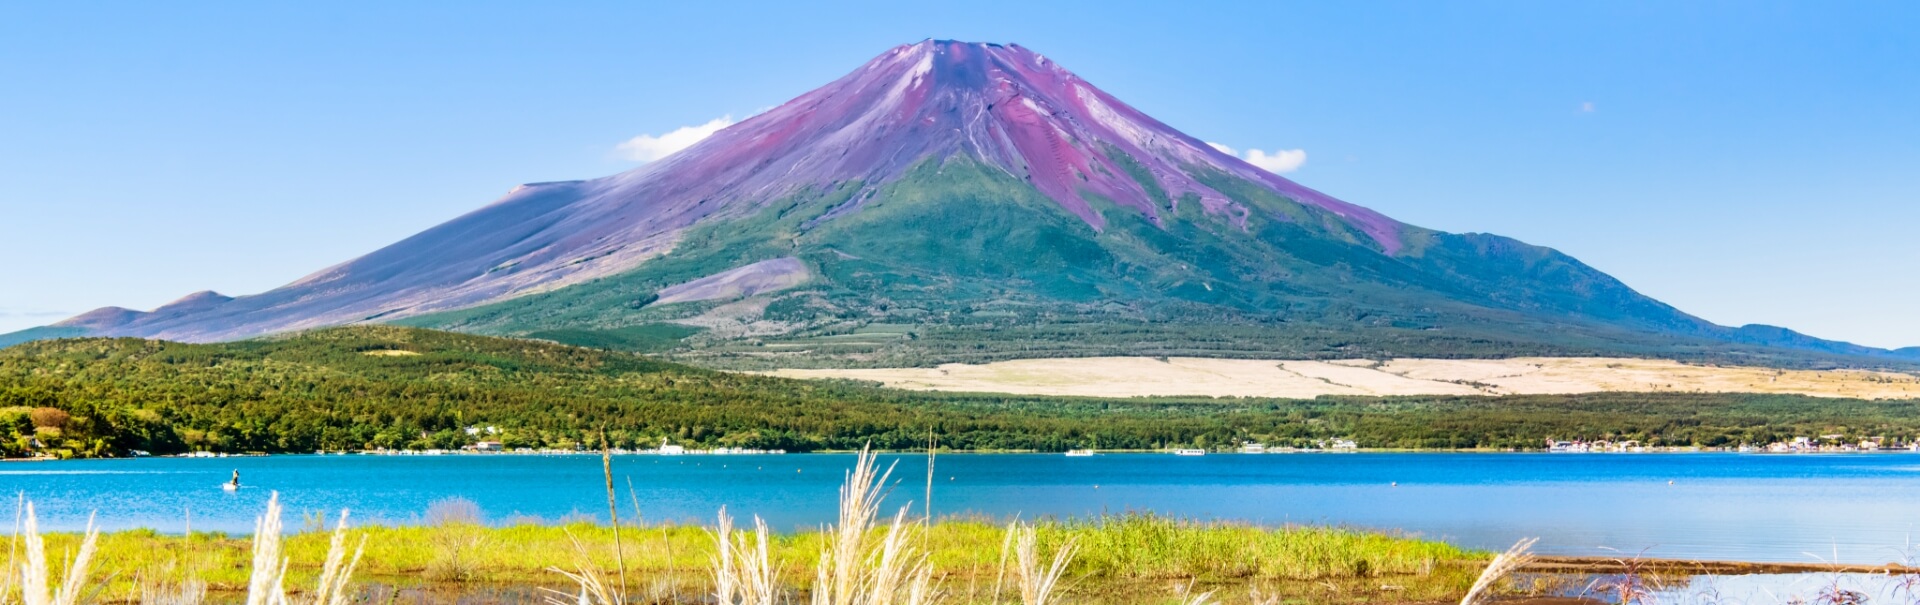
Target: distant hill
<point x="954" y="201"/>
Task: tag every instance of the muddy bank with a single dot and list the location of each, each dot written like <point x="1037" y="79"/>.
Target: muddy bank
<point x="1602" y="565"/>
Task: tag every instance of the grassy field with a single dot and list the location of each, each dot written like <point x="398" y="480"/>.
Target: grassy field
<point x="1192" y="376"/>
<point x="1115" y="556"/>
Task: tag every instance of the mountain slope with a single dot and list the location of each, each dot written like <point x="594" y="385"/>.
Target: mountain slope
<point x="952" y="201"/>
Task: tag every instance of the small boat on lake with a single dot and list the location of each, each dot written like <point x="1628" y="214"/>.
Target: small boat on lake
<point x="1079" y="453"/>
<point x="1190" y="452"/>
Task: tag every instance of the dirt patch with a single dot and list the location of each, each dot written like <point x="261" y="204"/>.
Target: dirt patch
<point x="738" y="319"/>
<point x="1599" y="565"/>
<point x="740" y="282"/>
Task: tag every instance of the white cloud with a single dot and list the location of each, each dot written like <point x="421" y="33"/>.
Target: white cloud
<point x="647" y="148"/>
<point x="1281" y="161"/>
<point x="1586" y="107"/>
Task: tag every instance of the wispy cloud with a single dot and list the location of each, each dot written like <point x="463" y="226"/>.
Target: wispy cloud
<point x="1281" y="161"/>
<point x="1586" y="107"/>
<point x="647" y="147"/>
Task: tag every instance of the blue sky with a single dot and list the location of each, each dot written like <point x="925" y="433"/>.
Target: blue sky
<point x="1748" y="162"/>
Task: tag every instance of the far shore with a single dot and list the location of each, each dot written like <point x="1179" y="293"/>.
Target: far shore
<point x="951" y="452"/>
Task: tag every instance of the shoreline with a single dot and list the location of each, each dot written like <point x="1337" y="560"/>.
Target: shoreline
<point x="456" y="558"/>
<point x="947" y="452"/>
<point x="1589" y="565"/>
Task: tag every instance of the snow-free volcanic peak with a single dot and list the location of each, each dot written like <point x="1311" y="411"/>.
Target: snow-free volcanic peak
<point x="969" y="192"/>
<point x="1003" y="104"/>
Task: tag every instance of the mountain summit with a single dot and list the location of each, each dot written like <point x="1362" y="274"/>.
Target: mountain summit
<point x="957" y="201"/>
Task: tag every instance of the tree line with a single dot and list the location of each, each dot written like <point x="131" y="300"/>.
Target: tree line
<point x="400" y="388"/>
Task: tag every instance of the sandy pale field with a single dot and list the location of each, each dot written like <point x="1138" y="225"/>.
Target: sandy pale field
<point x="1143" y="376"/>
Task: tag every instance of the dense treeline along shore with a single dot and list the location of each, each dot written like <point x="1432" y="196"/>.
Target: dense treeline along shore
<point x="365" y="388"/>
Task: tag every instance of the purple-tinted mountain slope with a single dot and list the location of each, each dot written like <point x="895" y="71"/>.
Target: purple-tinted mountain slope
<point x="1005" y="105"/>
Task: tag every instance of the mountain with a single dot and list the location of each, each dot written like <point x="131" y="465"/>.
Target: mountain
<point x="958" y="201"/>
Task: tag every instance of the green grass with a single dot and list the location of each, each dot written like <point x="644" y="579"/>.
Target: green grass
<point x="1116" y="556"/>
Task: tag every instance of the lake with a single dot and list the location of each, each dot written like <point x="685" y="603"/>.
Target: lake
<point x="1857" y="508"/>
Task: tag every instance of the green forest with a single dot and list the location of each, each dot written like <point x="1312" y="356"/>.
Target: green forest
<point x="405" y="388"/>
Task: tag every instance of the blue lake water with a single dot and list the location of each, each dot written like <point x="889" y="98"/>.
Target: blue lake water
<point x="1846" y="508"/>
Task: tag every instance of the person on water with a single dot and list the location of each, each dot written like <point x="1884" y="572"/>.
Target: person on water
<point x="236" y="478"/>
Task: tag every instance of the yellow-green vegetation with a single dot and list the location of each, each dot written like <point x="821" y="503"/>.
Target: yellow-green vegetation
<point x="856" y="560"/>
<point x="1114" y="555"/>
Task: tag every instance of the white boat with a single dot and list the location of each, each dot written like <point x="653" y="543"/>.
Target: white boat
<point x="1079" y="453"/>
<point x="229" y="487"/>
<point x="1190" y="452"/>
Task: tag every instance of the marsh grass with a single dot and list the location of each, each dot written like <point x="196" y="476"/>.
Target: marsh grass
<point x="457" y="538"/>
<point x="265" y="579"/>
<point x="1117" y="555"/>
<point x="1038" y="581"/>
<point x="36" y="574"/>
<point x="1499" y="568"/>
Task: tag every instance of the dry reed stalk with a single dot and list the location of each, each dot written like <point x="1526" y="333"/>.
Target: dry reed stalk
<point x="852" y="570"/>
<point x="762" y="585"/>
<point x="337" y="571"/>
<point x="1000" y="572"/>
<point x="35" y="575"/>
<point x="588" y="576"/>
<point x="839" y="576"/>
<point x="13" y="547"/>
<point x="1205" y="598"/>
<point x="639" y="520"/>
<point x="264" y="583"/>
<point x="1501" y="565"/>
<point x="1037" y="585"/>
<point x="187" y="592"/>
<point x="743" y="573"/>
<point x="726" y="579"/>
<point x="613" y="509"/>
<point x="933" y="445"/>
